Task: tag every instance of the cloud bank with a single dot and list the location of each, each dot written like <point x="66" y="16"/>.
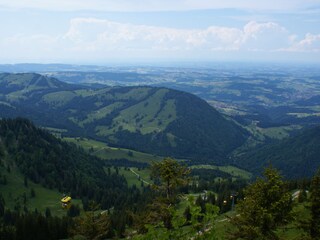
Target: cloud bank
<point x="92" y="38"/>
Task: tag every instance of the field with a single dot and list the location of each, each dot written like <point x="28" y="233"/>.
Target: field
<point x="16" y="193"/>
<point x="234" y="171"/>
<point x="106" y="152"/>
<point x="135" y="176"/>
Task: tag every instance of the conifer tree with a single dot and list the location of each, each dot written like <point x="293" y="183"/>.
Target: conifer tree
<point x="315" y="207"/>
<point x="2" y="205"/>
<point x="171" y="174"/>
<point x="266" y="206"/>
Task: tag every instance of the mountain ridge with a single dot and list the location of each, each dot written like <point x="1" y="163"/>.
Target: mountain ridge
<point x="150" y="119"/>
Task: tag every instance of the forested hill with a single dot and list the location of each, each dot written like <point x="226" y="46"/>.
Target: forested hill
<point x="55" y="164"/>
<point x="295" y="157"/>
<point x="155" y="120"/>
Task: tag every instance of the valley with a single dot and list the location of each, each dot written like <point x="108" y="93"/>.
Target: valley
<point x="99" y="143"/>
<point x="268" y="94"/>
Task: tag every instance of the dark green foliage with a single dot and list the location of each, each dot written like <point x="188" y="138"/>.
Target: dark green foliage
<point x="196" y="131"/>
<point x="302" y="196"/>
<point x="55" y="164"/>
<point x="187" y="214"/>
<point x="32" y="193"/>
<point x="48" y="212"/>
<point x="73" y="211"/>
<point x="295" y="157"/>
<point x="93" y="226"/>
<point x="209" y="174"/>
<point x="2" y="205"/>
<point x="171" y="175"/>
<point x="122" y="162"/>
<point x="3" y="179"/>
<point x="33" y="226"/>
<point x="202" y="131"/>
<point x="315" y="207"/>
<point x="25" y="181"/>
<point x="266" y="206"/>
<point x="44" y="159"/>
<point x="201" y="202"/>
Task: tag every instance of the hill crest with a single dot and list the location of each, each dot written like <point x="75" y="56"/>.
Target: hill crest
<point x="155" y="120"/>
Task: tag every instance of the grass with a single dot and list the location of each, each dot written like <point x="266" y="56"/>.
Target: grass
<point x="234" y="171"/>
<point x="278" y="132"/>
<point x="101" y="113"/>
<point x="147" y="116"/>
<point x="106" y="152"/>
<point x="288" y="232"/>
<point x="304" y="115"/>
<point x="260" y="135"/>
<point x="59" y="98"/>
<point x="15" y="190"/>
<point x="135" y="176"/>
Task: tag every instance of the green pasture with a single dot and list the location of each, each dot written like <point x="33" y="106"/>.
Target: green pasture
<point x="106" y="152"/>
<point x="17" y="195"/>
<point x="135" y="176"/>
<point x="234" y="171"/>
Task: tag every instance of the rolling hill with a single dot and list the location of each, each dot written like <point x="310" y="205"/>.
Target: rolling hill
<point x="155" y="120"/>
<point x="296" y="157"/>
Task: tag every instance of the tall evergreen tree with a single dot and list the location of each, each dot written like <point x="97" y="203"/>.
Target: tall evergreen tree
<point x="266" y="206"/>
<point x="171" y="174"/>
<point x="315" y="207"/>
<point x="2" y="205"/>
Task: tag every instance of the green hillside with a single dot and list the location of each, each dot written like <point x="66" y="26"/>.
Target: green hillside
<point x="103" y="151"/>
<point x="19" y="193"/>
<point x="155" y="120"/>
<point x="296" y="157"/>
<point x="34" y="155"/>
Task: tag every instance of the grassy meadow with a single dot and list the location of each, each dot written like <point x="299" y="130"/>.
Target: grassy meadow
<point x="18" y="194"/>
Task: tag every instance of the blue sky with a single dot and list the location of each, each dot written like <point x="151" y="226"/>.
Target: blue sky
<point x="129" y="31"/>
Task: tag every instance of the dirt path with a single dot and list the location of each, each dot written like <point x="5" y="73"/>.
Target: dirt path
<point x="144" y="181"/>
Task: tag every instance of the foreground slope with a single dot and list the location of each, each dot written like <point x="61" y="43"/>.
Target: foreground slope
<point x="46" y="160"/>
<point x="156" y="120"/>
<point x="296" y="156"/>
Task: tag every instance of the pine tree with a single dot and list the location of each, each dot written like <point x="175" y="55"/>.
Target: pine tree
<point x="48" y="212"/>
<point x="171" y="174"/>
<point x="266" y="206"/>
<point x="315" y="207"/>
<point x="2" y="205"/>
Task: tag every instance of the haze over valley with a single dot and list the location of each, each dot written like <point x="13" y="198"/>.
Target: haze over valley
<point x="159" y="120"/>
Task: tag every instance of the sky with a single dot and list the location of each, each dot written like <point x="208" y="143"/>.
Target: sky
<point x="136" y="31"/>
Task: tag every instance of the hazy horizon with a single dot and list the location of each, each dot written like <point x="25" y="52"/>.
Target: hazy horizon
<point x="136" y="31"/>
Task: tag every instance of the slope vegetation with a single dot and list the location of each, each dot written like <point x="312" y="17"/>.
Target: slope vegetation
<point x="296" y="157"/>
<point x="46" y="160"/>
<point x="155" y="120"/>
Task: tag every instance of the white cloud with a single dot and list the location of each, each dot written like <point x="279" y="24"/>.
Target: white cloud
<point x="96" y="39"/>
<point x="156" y="5"/>
<point x="310" y="43"/>
<point x="93" y="34"/>
<point x="265" y="36"/>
